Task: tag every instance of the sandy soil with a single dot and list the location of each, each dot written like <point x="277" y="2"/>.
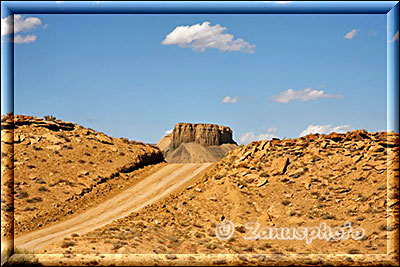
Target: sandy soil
<point x="151" y="189"/>
<point x="192" y="152"/>
<point x="332" y="179"/>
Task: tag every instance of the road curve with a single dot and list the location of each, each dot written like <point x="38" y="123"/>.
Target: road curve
<point x="152" y="188"/>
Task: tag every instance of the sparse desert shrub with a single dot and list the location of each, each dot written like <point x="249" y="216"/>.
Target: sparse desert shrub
<point x="328" y="217"/>
<point x="49" y="118"/>
<point x="34" y="200"/>
<point x="67" y="244"/>
<point x="67" y="147"/>
<point x="354" y="251"/>
<point x="264" y="174"/>
<point x="382" y="187"/>
<point x="315" y="193"/>
<point x="36" y="148"/>
<point x="29" y="209"/>
<point x="125" y="140"/>
<point x="117" y="245"/>
<point x="43" y="189"/>
<point x="63" y="136"/>
<point x="81" y="161"/>
<point x="218" y="176"/>
<point x="22" y="195"/>
<point x="40" y="181"/>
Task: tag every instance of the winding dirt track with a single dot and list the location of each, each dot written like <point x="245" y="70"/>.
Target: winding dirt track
<point x="152" y="188"/>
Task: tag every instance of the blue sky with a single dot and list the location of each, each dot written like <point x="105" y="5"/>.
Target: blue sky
<point x="120" y="74"/>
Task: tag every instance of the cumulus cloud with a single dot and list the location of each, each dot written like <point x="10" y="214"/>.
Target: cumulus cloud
<point x="250" y="136"/>
<point x="19" y="39"/>
<point x="326" y="129"/>
<point x="351" y="34"/>
<point x="19" y="24"/>
<point x="395" y="37"/>
<point x="199" y="37"/>
<point x="168" y="132"/>
<point x="228" y="99"/>
<point x="303" y="95"/>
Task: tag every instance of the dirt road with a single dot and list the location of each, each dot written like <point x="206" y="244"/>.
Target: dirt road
<point x="153" y="188"/>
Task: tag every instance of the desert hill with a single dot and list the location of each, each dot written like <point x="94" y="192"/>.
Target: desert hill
<point x="61" y="168"/>
<point x="335" y="178"/>
<point x="194" y="143"/>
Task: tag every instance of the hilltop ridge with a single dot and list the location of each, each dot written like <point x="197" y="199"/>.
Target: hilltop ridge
<point x="64" y="167"/>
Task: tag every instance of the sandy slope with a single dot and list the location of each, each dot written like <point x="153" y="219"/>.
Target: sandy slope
<point x="156" y="186"/>
<point x="192" y="152"/>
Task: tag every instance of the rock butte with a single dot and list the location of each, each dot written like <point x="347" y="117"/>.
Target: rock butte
<point x="195" y="142"/>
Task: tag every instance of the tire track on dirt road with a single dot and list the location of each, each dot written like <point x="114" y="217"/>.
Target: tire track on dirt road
<point x="154" y="187"/>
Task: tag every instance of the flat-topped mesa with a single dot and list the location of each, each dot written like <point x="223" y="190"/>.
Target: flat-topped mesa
<point x="201" y="133"/>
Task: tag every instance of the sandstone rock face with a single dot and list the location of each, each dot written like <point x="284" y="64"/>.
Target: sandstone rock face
<point x="203" y="134"/>
<point x="190" y="143"/>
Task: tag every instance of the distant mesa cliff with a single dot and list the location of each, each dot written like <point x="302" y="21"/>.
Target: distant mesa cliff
<point x="203" y="134"/>
<point x="190" y="142"/>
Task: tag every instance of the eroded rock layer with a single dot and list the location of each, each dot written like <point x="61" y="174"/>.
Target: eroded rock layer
<point x="195" y="143"/>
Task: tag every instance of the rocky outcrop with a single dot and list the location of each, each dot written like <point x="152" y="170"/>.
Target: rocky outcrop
<point x="191" y="142"/>
<point x="336" y="179"/>
<point x="52" y="162"/>
<point x="203" y="134"/>
<point x="12" y="122"/>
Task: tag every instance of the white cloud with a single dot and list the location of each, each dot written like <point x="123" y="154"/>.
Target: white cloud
<point x="228" y="99"/>
<point x="168" y="132"/>
<point x="250" y="136"/>
<point x="395" y="37"/>
<point x="19" y="39"/>
<point x="59" y="2"/>
<point x="19" y="24"/>
<point x="303" y="95"/>
<point x="326" y="129"/>
<point x="199" y="37"/>
<point x="351" y="34"/>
